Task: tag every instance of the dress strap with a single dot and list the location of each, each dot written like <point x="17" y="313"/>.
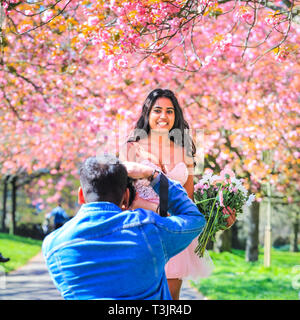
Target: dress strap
<point x="163" y="196"/>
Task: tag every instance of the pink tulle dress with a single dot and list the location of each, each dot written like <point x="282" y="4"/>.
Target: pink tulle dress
<point x="186" y="264"/>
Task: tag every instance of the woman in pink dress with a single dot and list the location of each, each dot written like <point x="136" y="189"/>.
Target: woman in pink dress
<point x="161" y="140"/>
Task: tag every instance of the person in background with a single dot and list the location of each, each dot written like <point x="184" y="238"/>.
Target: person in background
<point x="2" y="259"/>
<point x="60" y="216"/>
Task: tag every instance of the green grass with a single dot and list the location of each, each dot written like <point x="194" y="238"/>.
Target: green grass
<point x="18" y="249"/>
<point x="235" y="279"/>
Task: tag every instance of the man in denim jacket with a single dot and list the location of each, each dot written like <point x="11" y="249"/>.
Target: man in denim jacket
<point x="110" y="252"/>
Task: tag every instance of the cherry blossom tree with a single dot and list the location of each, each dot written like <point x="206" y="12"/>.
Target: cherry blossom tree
<point x="71" y="72"/>
<point x="160" y="29"/>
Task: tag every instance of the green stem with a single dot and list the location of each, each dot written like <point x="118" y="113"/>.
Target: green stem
<point x="204" y="200"/>
<point x="203" y="237"/>
<point x="210" y="215"/>
<point x="216" y="218"/>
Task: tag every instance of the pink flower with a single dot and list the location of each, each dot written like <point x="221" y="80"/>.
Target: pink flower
<point x="24" y="28"/>
<point x="5" y="6"/>
<point x="208" y="60"/>
<point x="290" y="200"/>
<point x="244" y="13"/>
<point x="111" y="65"/>
<point x="93" y="21"/>
<point x="47" y="15"/>
<point x="208" y="3"/>
<point x="225" y="172"/>
<point x="225" y="43"/>
<point x="101" y="54"/>
<point x="221" y="198"/>
<point x="175" y="23"/>
<point x="273" y="19"/>
<point x="198" y="186"/>
<point x="122" y="63"/>
<point x="281" y="55"/>
<point x="156" y="67"/>
<point x="41" y="183"/>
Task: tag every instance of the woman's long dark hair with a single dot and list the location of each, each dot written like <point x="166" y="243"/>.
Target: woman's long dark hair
<point x="143" y="122"/>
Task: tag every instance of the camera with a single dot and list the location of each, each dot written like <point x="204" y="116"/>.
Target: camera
<point x="132" y="191"/>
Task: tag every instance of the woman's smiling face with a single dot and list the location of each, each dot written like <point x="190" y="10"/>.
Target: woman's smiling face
<point x="162" y="115"/>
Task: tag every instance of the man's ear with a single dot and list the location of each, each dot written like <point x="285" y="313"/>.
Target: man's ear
<point x="81" y="199"/>
<point x="125" y="201"/>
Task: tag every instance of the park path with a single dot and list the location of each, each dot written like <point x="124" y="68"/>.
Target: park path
<point x="32" y="282"/>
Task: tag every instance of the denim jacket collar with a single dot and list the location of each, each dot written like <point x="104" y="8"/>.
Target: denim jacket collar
<point x="100" y="206"/>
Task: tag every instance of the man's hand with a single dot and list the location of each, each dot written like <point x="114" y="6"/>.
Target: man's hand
<point x="231" y="219"/>
<point x="138" y="171"/>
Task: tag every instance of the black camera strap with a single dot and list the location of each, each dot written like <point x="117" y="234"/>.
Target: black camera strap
<point x="163" y="196"/>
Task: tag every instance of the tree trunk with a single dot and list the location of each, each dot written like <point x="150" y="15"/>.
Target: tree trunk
<point x="14" y="204"/>
<point x="223" y="241"/>
<point x="3" y="228"/>
<point x="235" y="242"/>
<point x="294" y="235"/>
<point x="252" y="238"/>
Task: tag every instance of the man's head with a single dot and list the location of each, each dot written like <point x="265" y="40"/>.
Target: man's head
<point x="103" y="179"/>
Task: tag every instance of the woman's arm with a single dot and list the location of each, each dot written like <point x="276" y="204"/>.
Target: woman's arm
<point x="145" y="204"/>
<point x="129" y="152"/>
<point x="140" y="171"/>
<point x="189" y="186"/>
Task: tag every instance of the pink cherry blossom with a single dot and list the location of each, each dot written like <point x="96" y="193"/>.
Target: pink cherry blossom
<point x="47" y="15"/>
<point x="93" y="21"/>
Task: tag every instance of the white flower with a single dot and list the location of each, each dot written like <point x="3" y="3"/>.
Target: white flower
<point x="202" y="182"/>
<point x="239" y="185"/>
<point x="236" y="181"/>
<point x="243" y="189"/>
<point x="250" y="200"/>
<point x="206" y="178"/>
<point x="215" y="178"/>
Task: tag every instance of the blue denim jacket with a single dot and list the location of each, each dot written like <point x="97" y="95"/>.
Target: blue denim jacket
<point x="107" y="253"/>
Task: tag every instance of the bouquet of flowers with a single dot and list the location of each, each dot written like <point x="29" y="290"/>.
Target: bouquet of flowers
<point x="218" y="197"/>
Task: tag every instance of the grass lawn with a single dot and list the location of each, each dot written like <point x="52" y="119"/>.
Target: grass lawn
<point x="235" y="279"/>
<point x="18" y="249"/>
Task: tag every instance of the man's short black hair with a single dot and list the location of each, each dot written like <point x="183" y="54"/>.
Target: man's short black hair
<point x="103" y="178"/>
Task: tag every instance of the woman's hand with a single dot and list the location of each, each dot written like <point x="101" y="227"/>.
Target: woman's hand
<point x="138" y="171"/>
<point x="145" y="204"/>
<point x="231" y="219"/>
